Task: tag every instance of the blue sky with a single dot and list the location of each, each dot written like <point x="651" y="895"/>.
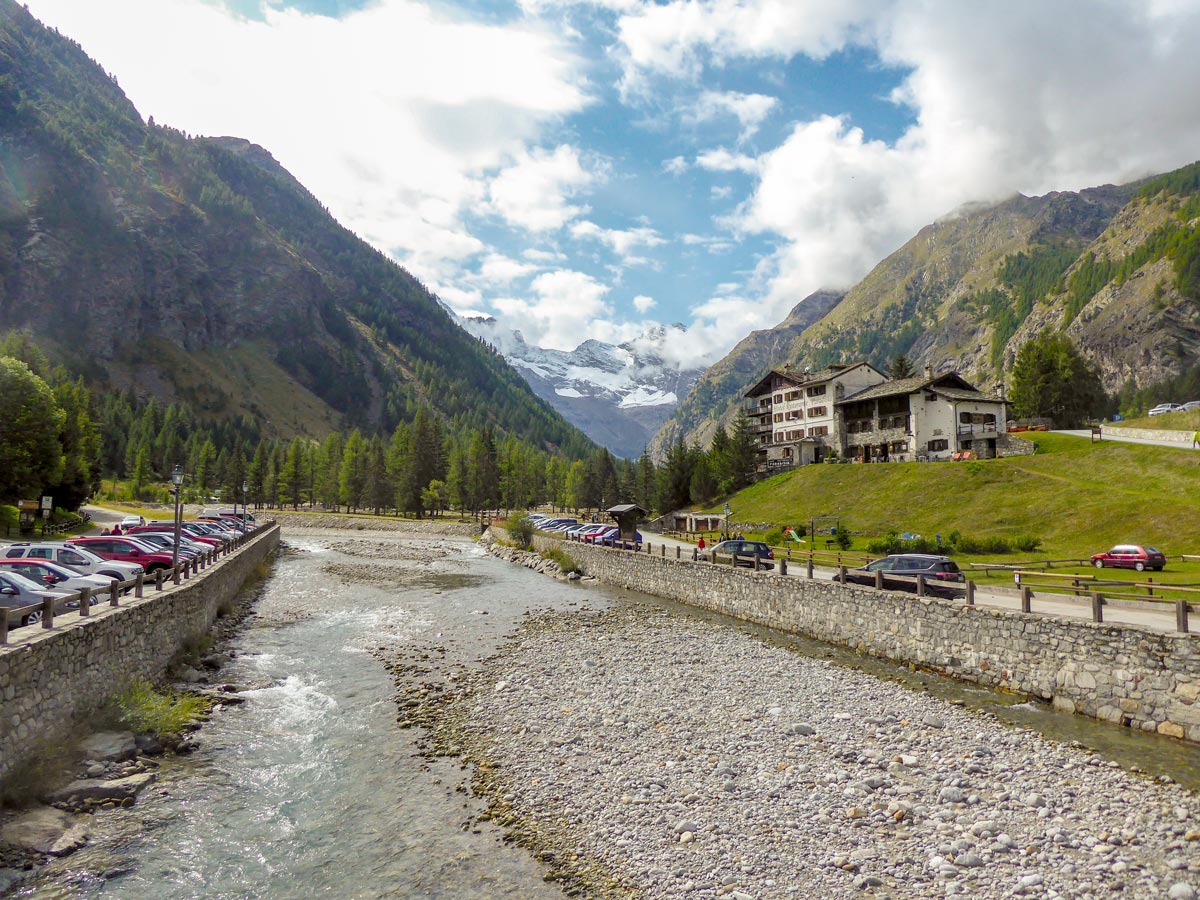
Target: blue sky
<point x="589" y="168"/>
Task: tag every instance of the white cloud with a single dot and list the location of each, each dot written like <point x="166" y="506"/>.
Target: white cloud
<point x="567" y="308"/>
<point x="500" y="269"/>
<point x="721" y="160"/>
<point x="751" y="110"/>
<point x="676" y="165"/>
<point x="643" y="304"/>
<point x="533" y="193"/>
<point x="621" y="242"/>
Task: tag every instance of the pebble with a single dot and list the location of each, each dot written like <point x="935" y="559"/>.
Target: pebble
<point x="676" y="737"/>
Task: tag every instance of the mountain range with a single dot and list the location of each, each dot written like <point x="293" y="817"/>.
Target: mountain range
<point x="617" y="394"/>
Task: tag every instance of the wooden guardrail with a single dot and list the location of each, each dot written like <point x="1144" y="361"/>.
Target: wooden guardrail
<point x="50" y="607"/>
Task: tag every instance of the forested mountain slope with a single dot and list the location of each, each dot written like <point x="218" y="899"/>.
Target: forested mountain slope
<point x="199" y="270"/>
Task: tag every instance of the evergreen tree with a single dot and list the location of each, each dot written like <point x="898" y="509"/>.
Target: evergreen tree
<point x="353" y="477"/>
<point x="329" y="472"/>
<point x="900" y="367"/>
<point x="1052" y="379"/>
<point x="742" y="453"/>
<point x="31" y="423"/>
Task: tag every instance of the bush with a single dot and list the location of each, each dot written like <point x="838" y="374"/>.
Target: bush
<point x="520" y="529"/>
<point x="774" y="537"/>
<point x="565" y="562"/>
<point x="842" y="538"/>
<point x="1027" y="543"/>
<point x="148" y="711"/>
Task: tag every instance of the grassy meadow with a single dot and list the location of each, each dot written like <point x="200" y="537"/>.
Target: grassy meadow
<point x="1077" y="497"/>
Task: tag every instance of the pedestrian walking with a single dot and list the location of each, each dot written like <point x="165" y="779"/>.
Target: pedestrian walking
<point x="701" y="545"/>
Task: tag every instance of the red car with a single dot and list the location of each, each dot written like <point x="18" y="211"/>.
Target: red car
<point x="184" y="532"/>
<point x="125" y="550"/>
<point x="1131" y="556"/>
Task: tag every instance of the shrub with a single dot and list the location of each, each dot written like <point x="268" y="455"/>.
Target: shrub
<point x="148" y="711"/>
<point x="1027" y="543"/>
<point x="565" y="562"/>
<point x="520" y="529"/>
<point x="842" y="538"/>
<point x="774" y="537"/>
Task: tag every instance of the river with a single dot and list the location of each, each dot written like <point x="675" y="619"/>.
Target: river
<point x="312" y="788"/>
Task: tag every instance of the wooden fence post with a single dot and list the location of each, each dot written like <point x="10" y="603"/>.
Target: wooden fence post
<point x="879" y="579"/>
<point x="810" y="567"/>
<point x="970" y="593"/>
<point x="678" y="551"/>
<point x="3" y="625"/>
<point x="842" y="574"/>
<point x="1026" y="599"/>
<point x="1097" y="606"/>
<point x="48" y="612"/>
<point x="85" y="601"/>
<point x="158" y="580"/>
<point x="783" y="567"/>
<point x="757" y="565"/>
<point x="114" y="591"/>
<point x="920" y="585"/>
<point x="176" y="571"/>
<point x="137" y="586"/>
<point x="695" y="554"/>
<point x="1181" y="615"/>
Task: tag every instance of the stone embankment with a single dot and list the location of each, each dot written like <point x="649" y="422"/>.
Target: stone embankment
<point x="53" y="680"/>
<point x="1118" y="673"/>
<point x="531" y="559"/>
<point x="643" y="754"/>
<point x="333" y="521"/>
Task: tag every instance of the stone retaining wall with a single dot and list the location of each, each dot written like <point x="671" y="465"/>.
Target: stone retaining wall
<point x="52" y="681"/>
<point x="377" y="523"/>
<point x="1117" y="673"/>
<point x="1148" y="434"/>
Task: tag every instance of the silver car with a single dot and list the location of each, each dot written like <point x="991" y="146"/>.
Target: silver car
<point x="16" y="591"/>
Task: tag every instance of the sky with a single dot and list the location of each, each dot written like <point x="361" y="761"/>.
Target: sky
<point x="591" y="168"/>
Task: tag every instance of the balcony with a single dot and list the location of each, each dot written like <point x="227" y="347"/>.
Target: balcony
<point x="977" y="429"/>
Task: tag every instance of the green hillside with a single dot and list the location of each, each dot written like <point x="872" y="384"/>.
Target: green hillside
<point x="1076" y="496"/>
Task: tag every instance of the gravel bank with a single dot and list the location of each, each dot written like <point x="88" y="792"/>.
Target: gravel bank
<point x="333" y="521"/>
<point x="689" y="760"/>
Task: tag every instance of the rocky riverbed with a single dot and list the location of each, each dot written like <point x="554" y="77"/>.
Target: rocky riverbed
<point x="647" y="755"/>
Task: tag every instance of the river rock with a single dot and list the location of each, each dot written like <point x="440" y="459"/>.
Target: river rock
<point x="95" y="789"/>
<point x="46" y="830"/>
<point x="109" y="746"/>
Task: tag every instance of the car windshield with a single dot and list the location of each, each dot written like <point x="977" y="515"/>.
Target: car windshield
<point x="25" y="584"/>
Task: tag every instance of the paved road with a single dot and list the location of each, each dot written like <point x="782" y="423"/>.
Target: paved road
<point x="1156" y="617"/>
<point x="1114" y="434"/>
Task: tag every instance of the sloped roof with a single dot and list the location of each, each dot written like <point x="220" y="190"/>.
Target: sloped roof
<point x="623" y="508"/>
<point x="799" y="379"/>
<point x="950" y="385"/>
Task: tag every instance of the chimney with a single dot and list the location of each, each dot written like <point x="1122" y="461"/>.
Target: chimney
<point x="929" y="372"/>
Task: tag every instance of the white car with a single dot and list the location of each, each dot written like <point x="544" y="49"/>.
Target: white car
<point x="75" y="557"/>
<point x="1164" y="408"/>
<point x="133" y="521"/>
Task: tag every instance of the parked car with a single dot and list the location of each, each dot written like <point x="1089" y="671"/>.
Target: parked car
<point x="598" y="536"/>
<point x="1131" y="556"/>
<point x="166" y="543"/>
<point x="16" y="590"/>
<point x="75" y="557"/>
<point x="1191" y="404"/>
<point x="941" y="574"/>
<point x="612" y="538"/>
<point x="55" y="577"/>
<point x="1164" y="408"/>
<point x="185" y="534"/>
<point x="552" y="524"/>
<point x="132" y="522"/>
<point x="745" y="551"/>
<point x="125" y="549"/>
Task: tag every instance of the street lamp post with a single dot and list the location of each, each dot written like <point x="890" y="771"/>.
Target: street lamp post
<point x="245" y="508"/>
<point x="177" y="481"/>
<point x="728" y="513"/>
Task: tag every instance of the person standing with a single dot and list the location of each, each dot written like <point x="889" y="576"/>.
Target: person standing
<point x="701" y="544"/>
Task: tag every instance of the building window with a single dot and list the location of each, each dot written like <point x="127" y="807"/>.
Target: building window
<point x="898" y="447"/>
<point x="778" y="417"/>
<point x="779" y="398"/>
<point x="817" y="411"/>
<point x="792" y="395"/>
<point x="817" y="391"/>
<point x="794" y="414"/>
<point x="818" y="431"/>
<point x="940" y="444"/>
